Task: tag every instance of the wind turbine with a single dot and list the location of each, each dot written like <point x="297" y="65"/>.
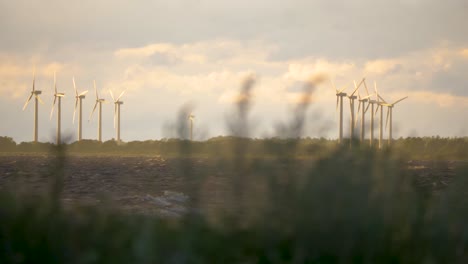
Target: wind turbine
<point x="59" y="110"/>
<point x="339" y="101"/>
<point x="78" y="99"/>
<point x="390" y="118"/>
<point x="99" y="102"/>
<point x="362" y="105"/>
<point x="352" y="97"/>
<point x="191" y="118"/>
<point x="36" y="94"/>
<point x="380" y="103"/>
<point x="372" y="104"/>
<point x="117" y="104"/>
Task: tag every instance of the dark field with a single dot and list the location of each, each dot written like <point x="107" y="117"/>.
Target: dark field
<point x="138" y="184"/>
<point x="155" y="185"/>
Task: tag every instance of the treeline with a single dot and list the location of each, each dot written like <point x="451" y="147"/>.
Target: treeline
<point x="425" y="148"/>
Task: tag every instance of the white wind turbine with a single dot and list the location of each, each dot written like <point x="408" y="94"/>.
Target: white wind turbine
<point x="352" y="98"/>
<point x="78" y="100"/>
<point x="362" y="105"/>
<point x="380" y="104"/>
<point x="99" y="102"/>
<point x="59" y="110"/>
<point x="36" y="94"/>
<point x="191" y="117"/>
<point x="117" y="104"/>
<point x="390" y="118"/>
<point x="372" y="104"/>
<point x="339" y="101"/>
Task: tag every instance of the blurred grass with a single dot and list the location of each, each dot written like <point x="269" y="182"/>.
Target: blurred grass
<point x="292" y="201"/>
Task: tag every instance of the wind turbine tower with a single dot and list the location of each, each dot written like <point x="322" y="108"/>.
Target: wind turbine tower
<point x="58" y="96"/>
<point x="390" y="118"/>
<point x="191" y="118"/>
<point x="117" y="104"/>
<point x="339" y="101"/>
<point x="380" y="104"/>
<point x="362" y="105"/>
<point x="372" y="104"/>
<point x="36" y="94"/>
<point x="99" y="102"/>
<point x="79" y="100"/>
<point x="352" y="98"/>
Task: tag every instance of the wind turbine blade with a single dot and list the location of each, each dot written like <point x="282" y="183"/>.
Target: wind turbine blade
<point x="74" y="111"/>
<point x="34" y="79"/>
<point x="74" y="86"/>
<point x="333" y="84"/>
<point x="94" y="109"/>
<point x="377" y="108"/>
<point x="83" y="93"/>
<point x="376" y="92"/>
<point x="359" y="107"/>
<point x="356" y="120"/>
<point x="27" y="101"/>
<point x="344" y="88"/>
<point x="400" y="100"/>
<point x="383" y="100"/>
<point x="388" y="116"/>
<point x="351" y="108"/>
<point x="52" y="111"/>
<point x="356" y="88"/>
<point x="118" y="98"/>
<point x="357" y="117"/>
<point x="95" y="90"/>
<point x="40" y="100"/>
<point x="55" y="83"/>
<point x="365" y="86"/>
<point x="112" y="95"/>
<point x="367" y="108"/>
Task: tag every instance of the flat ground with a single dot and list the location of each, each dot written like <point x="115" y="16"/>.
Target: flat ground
<point x="149" y="184"/>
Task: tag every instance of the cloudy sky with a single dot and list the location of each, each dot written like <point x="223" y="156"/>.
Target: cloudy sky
<point x="167" y="54"/>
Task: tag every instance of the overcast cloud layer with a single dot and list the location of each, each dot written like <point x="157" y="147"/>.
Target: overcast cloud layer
<point x="167" y="54"/>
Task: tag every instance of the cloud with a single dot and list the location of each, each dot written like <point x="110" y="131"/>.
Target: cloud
<point x="16" y="73"/>
<point x="464" y="53"/>
<point x="428" y="98"/>
<point x="382" y="66"/>
<point x="303" y="69"/>
<point x="214" y="67"/>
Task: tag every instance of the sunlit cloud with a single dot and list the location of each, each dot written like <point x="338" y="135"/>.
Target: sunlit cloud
<point x="443" y="100"/>
<point x="381" y="66"/>
<point x="464" y="53"/>
<point x="16" y="74"/>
